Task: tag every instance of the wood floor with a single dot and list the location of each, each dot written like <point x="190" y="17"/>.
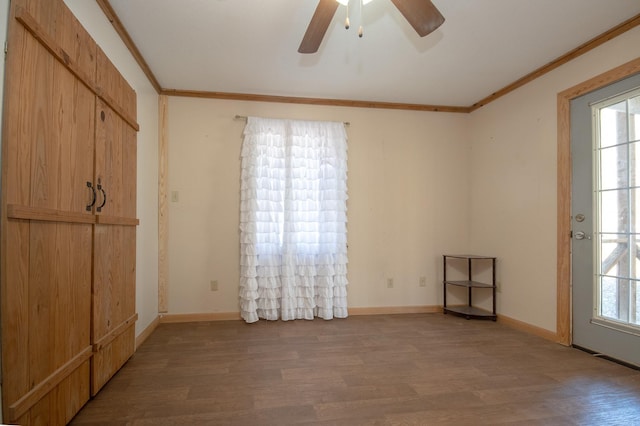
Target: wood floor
<point x="423" y="369"/>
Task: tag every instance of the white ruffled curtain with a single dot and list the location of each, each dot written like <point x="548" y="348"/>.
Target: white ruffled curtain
<point x="293" y="216"/>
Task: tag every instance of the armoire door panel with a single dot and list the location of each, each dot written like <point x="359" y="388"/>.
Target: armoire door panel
<point x="46" y="265"/>
<point x="115" y="231"/>
<point x="113" y="300"/>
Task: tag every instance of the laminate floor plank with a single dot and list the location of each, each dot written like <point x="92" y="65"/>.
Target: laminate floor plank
<point x="414" y="369"/>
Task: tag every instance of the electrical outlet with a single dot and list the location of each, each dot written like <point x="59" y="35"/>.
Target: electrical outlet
<point x="423" y="281"/>
<point x="389" y="282"/>
<point x="214" y="285"/>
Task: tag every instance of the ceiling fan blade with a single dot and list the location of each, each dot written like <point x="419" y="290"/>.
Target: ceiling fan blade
<point x="318" y="26"/>
<point x="421" y="14"/>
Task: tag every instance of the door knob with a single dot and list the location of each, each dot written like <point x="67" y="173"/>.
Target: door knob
<point x="579" y="235"/>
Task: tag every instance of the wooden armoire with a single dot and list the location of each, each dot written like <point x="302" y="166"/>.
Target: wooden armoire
<point x="68" y="225"/>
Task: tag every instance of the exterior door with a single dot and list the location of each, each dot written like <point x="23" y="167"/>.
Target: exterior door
<point x="605" y="143"/>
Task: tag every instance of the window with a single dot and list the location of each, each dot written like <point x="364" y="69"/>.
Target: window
<point x="293" y="237"/>
<point x="617" y="132"/>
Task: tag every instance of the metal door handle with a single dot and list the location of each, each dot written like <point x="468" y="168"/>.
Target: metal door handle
<point x="104" y="198"/>
<point x="93" y="199"/>
<point x="579" y="235"/>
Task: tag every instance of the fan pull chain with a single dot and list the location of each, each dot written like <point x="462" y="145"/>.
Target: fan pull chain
<point x="360" y="30"/>
<point x="346" y="21"/>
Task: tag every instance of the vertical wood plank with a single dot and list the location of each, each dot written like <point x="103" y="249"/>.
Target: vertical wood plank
<point x="76" y="158"/>
<point x="15" y="236"/>
<point x="163" y="204"/>
<point x="129" y="175"/>
<point x="42" y="247"/>
<point x="39" y="129"/>
<point x="15" y="313"/>
<point x="129" y="252"/>
<point x="563" y="319"/>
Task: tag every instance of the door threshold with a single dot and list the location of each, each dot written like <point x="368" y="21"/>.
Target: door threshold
<point x="608" y="358"/>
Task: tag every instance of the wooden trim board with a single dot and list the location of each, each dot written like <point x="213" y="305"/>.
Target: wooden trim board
<point x="212" y="316"/>
<point x="380" y="310"/>
<point x="528" y="328"/>
<point x="391" y="310"/>
<point x="15" y="211"/>
<point x="314" y="101"/>
<point x="163" y="204"/>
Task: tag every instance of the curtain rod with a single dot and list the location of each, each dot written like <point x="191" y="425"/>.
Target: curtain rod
<point x="244" y="118"/>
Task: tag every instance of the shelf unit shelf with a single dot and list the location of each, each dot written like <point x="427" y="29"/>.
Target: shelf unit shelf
<point x="469" y="311"/>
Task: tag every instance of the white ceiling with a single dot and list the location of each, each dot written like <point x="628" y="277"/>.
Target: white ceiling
<point x="250" y="46"/>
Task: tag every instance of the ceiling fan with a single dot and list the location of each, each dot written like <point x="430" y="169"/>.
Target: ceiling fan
<point x="421" y="14"/>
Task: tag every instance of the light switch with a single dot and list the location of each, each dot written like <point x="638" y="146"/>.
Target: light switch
<point x="175" y="196"/>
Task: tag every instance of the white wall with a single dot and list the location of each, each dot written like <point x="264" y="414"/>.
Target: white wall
<point x="513" y="182"/>
<point x="93" y="19"/>
<point x="408" y="197"/>
<point x="420" y="184"/>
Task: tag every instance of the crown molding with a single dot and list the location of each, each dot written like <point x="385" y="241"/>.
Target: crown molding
<point x="578" y="51"/>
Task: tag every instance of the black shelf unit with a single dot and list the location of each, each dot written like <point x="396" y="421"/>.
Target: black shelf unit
<point x="469" y="311"/>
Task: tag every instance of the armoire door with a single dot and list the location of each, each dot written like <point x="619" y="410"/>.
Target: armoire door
<point x="67" y="272"/>
<point x="47" y="231"/>
<point x="115" y="232"/>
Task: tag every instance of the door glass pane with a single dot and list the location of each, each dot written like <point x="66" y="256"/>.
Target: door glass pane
<point x="613" y="252"/>
<point x="613" y="163"/>
<point x="636" y="290"/>
<point x="634" y="118"/>
<point x="618" y="200"/>
<point x="634" y="154"/>
<point x="609" y="301"/>
<point x="614" y="210"/>
<point x="613" y="124"/>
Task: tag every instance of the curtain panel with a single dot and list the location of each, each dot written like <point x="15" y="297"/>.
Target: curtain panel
<point x="293" y="217"/>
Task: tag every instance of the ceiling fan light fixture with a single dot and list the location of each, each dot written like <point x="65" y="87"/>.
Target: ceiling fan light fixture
<point x="422" y="15"/>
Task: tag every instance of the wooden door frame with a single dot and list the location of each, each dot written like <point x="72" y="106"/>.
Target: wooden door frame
<point x="564" y="326"/>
